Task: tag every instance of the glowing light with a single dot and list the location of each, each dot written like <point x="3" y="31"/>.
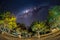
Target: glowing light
<point x="26" y="11"/>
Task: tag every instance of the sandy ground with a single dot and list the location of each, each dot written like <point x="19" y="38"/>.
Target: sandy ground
<point x="55" y="36"/>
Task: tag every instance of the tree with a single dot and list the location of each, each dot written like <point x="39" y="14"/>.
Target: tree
<point x="24" y="33"/>
<point x="2" y="22"/>
<point x="20" y="30"/>
<point x="53" y="18"/>
<point x="20" y="26"/>
<point x="38" y="27"/>
<point x="2" y="26"/>
<point x="9" y="21"/>
<point x="1" y="16"/>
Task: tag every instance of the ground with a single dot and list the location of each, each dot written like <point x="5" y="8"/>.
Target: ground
<point x="53" y="36"/>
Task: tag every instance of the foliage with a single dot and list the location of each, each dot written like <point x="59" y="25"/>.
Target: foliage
<point x="20" y="30"/>
<point x="24" y="33"/>
<point x="1" y="22"/>
<point x="10" y="21"/>
<point x="38" y="26"/>
<point x="55" y="11"/>
<point x="1" y="16"/>
<point x="54" y="14"/>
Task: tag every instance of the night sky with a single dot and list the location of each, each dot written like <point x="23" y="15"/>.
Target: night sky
<point x="19" y="6"/>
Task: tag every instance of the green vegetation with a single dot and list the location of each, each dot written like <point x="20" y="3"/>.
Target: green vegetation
<point x="38" y="27"/>
<point x="54" y="17"/>
<point x="8" y="24"/>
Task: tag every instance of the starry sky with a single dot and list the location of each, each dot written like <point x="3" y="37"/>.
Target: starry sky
<point x="19" y="6"/>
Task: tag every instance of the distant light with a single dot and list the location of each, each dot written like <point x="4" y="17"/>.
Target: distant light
<point x="26" y="11"/>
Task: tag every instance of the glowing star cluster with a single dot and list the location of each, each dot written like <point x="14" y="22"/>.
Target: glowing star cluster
<point x="26" y="11"/>
<point x="29" y="10"/>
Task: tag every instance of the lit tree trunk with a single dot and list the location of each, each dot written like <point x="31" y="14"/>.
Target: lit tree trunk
<point x="38" y="34"/>
<point x="19" y="35"/>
